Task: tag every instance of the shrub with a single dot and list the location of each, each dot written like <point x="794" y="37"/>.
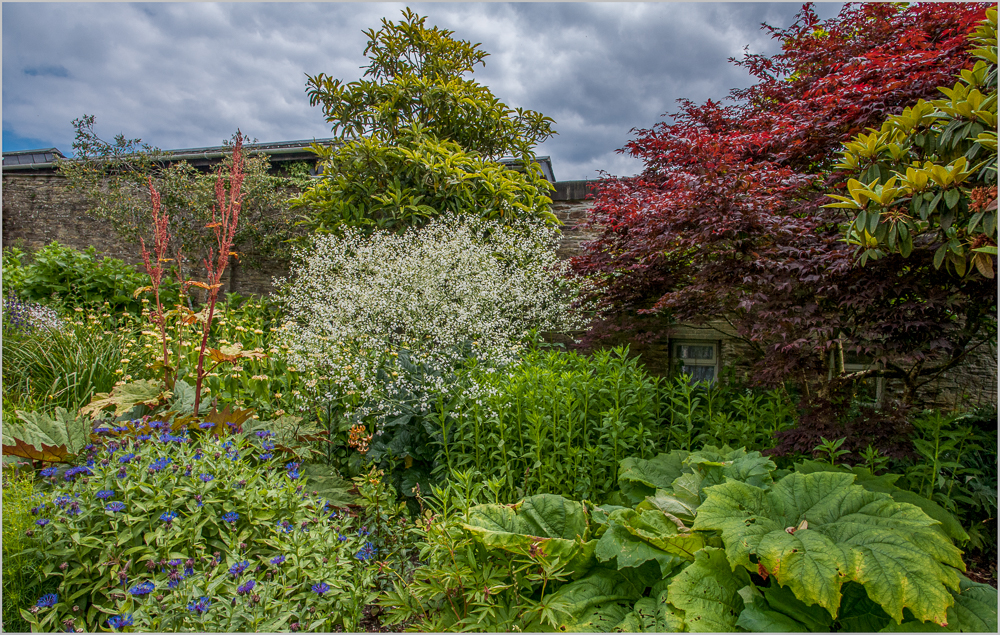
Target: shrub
<point x="64" y="275"/>
<point x="454" y="289"/>
<point x="166" y="531"/>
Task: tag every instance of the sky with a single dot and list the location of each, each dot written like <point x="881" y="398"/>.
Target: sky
<point x="184" y="75"/>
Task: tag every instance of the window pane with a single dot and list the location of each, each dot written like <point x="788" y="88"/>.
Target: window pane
<point x="699" y="373"/>
<point x="688" y="351"/>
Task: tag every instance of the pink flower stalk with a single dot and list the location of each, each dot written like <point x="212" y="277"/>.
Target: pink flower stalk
<point x="161" y="237"/>
<point x="225" y="217"/>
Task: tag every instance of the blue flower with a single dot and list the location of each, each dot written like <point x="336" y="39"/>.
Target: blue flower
<point x="63" y="500"/>
<point x="205" y="425"/>
<point x="263" y="434"/>
<point x="321" y="588"/>
<point x="158" y="425"/>
<point x="73" y="472"/>
<point x="49" y="471"/>
<point x="292" y="465"/>
<point x="341" y="537"/>
<point x="47" y="601"/>
<point x="246" y="587"/>
<point x="168" y="517"/>
<point x="233" y="456"/>
<point x="278" y="560"/>
<point x="267" y="445"/>
<point x="115" y="506"/>
<point x="41" y="522"/>
<point x="230" y="517"/>
<point x="201" y="606"/>
<point x="105" y="494"/>
<point x="118" y="622"/>
<point x="174" y="563"/>
<point x="160" y="464"/>
<point x="363" y="532"/>
<point x="366" y="553"/>
<point x="142" y="589"/>
<point x="128" y="457"/>
<point x="266" y="456"/>
<point x="143" y="437"/>
<point x="121" y="428"/>
<point x="293" y="474"/>
<point x="238" y="568"/>
<point x="285" y="527"/>
<point x="206" y="477"/>
<point x="227" y="445"/>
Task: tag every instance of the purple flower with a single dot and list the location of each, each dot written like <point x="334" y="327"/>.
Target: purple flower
<point x="142" y="589"/>
<point x="49" y="471"/>
<point x="63" y="500"/>
<point x="230" y="517"/>
<point x="246" y="587"/>
<point x="121" y="473"/>
<point x="201" y="606"/>
<point x="168" y="517"/>
<point x="266" y="456"/>
<point x="238" y="568"/>
<point x="206" y="477"/>
<point x="205" y="425"/>
<point x="341" y="537"/>
<point x="105" y="494"/>
<point x="321" y="588"/>
<point x="278" y="560"/>
<point x="41" y="522"/>
<point x="47" y="601"/>
<point x="118" y="622"/>
<point x="366" y="553"/>
<point x="159" y="464"/>
<point x="263" y="434"/>
<point x="126" y="458"/>
<point x="293" y="474"/>
<point x="267" y="445"/>
<point x="115" y="506"/>
<point x="143" y="437"/>
<point x="73" y="472"/>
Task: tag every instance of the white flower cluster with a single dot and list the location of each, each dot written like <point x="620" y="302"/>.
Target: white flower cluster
<point x="455" y="288"/>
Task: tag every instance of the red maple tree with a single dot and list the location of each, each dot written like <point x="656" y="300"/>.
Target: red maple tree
<point x="726" y="220"/>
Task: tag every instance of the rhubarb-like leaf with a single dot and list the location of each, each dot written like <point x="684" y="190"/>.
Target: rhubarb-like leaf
<point x="126" y="397"/>
<point x="707" y="591"/>
<point x="814" y="532"/>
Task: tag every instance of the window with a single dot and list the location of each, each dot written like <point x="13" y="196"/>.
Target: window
<point x="700" y="360"/>
<point x="870" y="390"/>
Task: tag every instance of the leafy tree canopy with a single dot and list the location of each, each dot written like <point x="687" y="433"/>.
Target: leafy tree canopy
<point x="419" y="138"/>
<point x="727" y="219"/>
<point x="929" y="174"/>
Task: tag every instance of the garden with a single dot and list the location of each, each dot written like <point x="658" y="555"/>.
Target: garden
<point x="427" y="426"/>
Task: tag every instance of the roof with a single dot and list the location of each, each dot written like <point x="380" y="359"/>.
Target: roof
<point x="278" y="151"/>
<point x="32" y="157"/>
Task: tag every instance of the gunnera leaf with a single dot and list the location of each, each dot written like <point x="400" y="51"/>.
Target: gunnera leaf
<point x="545" y="523"/>
<point x="707" y="591"/>
<point x="639" y="478"/>
<point x="815" y="532"/>
<point x="974" y="611"/>
<point x="126" y="397"/>
<point x="599" y="601"/>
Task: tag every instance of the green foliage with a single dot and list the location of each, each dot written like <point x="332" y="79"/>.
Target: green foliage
<point x="726" y="542"/>
<point x="67" y="277"/>
<point x="66" y="367"/>
<point x="421" y="139"/>
<point x="231" y="502"/>
<point x="931" y="172"/>
<point x="370" y="184"/>
<point x="37" y="436"/>
<point x="22" y="565"/>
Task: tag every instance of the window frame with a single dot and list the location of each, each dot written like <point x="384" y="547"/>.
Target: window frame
<point x="678" y="362"/>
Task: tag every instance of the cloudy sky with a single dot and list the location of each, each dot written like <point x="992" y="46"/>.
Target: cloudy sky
<point x="182" y="75"/>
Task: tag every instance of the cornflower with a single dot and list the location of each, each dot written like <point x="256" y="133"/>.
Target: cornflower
<point x="230" y="517"/>
<point x="142" y="589"/>
<point x="321" y="588"/>
<point x="200" y="606"/>
<point x="105" y="494"/>
<point x="246" y="587"/>
<point x="367" y="552"/>
<point x="168" y="517"/>
<point x="238" y="568"/>
<point x="206" y="477"/>
<point x="47" y="601"/>
<point x="115" y="506"/>
<point x="49" y="471"/>
<point x="278" y="560"/>
<point x="118" y="622"/>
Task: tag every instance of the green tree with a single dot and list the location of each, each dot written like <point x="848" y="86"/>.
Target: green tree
<point x="114" y="178"/>
<point x="927" y="178"/>
<point x="419" y="138"/>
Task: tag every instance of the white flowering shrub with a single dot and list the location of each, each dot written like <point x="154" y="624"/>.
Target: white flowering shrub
<point x="454" y="289"/>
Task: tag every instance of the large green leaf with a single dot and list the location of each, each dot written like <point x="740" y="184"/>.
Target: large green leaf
<point x="126" y="397"/>
<point x="546" y="523"/>
<point x="37" y="436"/>
<point x="639" y="478"/>
<point x="974" y="611"/>
<point x="718" y="465"/>
<point x="599" y="601"/>
<point x="814" y="532"/>
<point x="707" y="591"/>
<point x="885" y="483"/>
<point x="652" y="615"/>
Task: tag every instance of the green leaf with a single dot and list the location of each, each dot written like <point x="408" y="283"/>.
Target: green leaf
<point x="708" y="592"/>
<point x="891" y="548"/>
<point x="597" y="602"/>
<point x="757" y="620"/>
<point x="639" y="478"/>
<point x="126" y="397"/>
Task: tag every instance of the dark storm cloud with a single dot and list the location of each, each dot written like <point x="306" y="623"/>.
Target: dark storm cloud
<point x="186" y="75"/>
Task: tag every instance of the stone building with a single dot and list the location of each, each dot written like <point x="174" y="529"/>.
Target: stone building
<point x="38" y="208"/>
